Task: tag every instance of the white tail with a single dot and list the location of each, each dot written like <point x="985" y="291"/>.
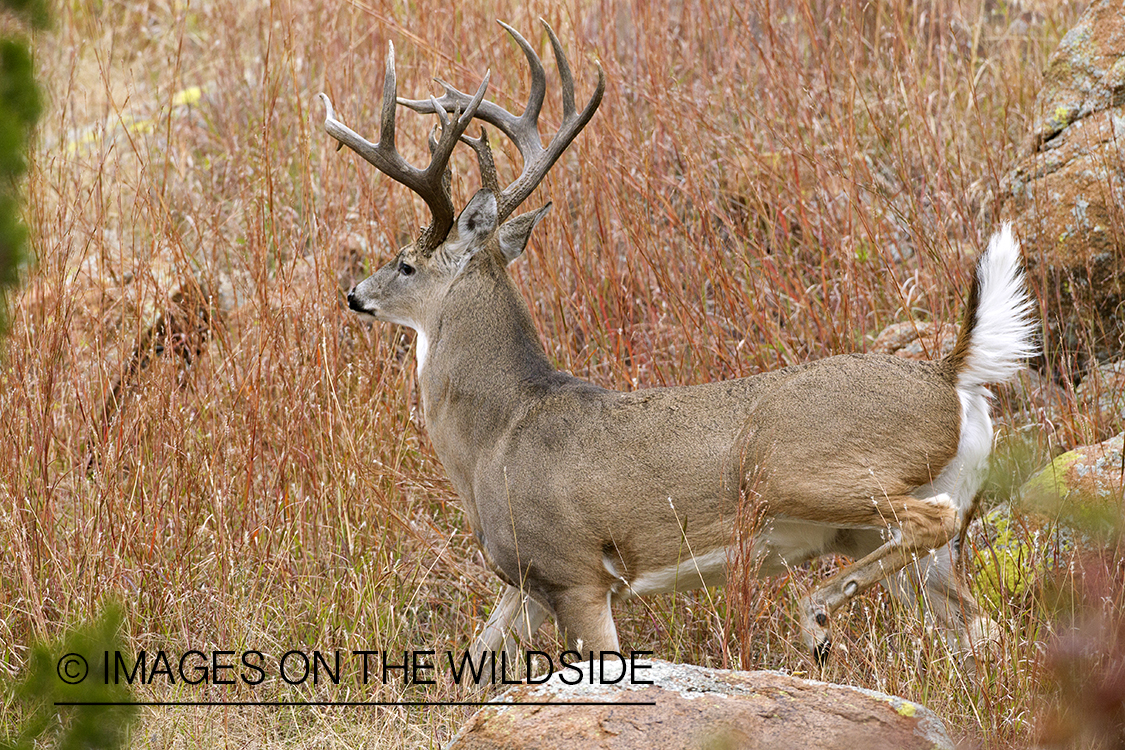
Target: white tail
<point x="582" y="497"/>
<point x="1002" y="327"/>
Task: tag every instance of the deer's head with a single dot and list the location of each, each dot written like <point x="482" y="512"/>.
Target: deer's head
<point x="409" y="288"/>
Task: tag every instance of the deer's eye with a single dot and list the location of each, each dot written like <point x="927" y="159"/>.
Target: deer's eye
<point x="405" y="268"/>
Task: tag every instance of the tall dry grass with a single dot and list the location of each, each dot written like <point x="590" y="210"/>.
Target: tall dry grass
<point x="193" y="424"/>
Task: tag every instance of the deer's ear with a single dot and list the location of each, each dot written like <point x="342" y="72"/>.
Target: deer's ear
<point x="478" y="220"/>
<point x="514" y="233"/>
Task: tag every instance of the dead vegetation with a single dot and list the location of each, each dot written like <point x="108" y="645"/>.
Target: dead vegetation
<point x="192" y="424"/>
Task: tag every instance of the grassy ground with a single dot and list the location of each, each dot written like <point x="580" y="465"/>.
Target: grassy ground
<point x="193" y="425"/>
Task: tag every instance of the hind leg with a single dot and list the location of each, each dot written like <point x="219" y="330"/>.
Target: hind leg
<point x="917" y="526"/>
<point x="947" y="600"/>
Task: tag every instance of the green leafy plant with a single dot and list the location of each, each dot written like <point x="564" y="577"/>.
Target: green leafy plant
<point x="70" y="671"/>
<point x="20" y="105"/>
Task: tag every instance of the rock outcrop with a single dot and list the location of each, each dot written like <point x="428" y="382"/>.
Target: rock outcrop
<point x="1066" y="193"/>
<point x="696" y="707"/>
<point x="917" y="339"/>
<point x="1102" y="392"/>
<point x="1084" y="486"/>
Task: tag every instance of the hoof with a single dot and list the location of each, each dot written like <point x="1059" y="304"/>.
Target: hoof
<point x="815" y="631"/>
<point x="820" y="652"/>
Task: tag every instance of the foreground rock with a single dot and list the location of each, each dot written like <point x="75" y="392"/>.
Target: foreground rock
<point x="696" y="707"/>
<point x="1064" y="193"/>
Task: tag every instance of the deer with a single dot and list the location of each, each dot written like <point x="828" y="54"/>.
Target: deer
<point x="581" y="497"/>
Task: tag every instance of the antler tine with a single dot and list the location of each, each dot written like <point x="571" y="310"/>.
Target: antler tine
<point x="565" y="76"/>
<point x="488" y="178"/>
<point x="431" y="183"/>
<point x="524" y="130"/>
<point x="527" y="126"/>
<point x="536" y="169"/>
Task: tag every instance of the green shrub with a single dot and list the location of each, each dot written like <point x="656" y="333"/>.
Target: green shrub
<point x="20" y="106"/>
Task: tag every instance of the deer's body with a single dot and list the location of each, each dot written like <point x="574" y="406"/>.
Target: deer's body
<point x="626" y="494"/>
<point x="581" y="496"/>
<point x="581" y="464"/>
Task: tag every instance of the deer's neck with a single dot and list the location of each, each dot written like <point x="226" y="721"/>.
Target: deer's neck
<point x="482" y="365"/>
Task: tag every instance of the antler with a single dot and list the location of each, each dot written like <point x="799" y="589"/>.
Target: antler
<point x="522" y="130"/>
<point x="432" y="183"/>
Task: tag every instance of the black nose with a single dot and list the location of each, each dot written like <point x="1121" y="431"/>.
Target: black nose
<point x="353" y="302"/>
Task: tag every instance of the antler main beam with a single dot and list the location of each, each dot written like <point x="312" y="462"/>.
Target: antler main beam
<point x="431" y="183"/>
<point x="522" y="130"/>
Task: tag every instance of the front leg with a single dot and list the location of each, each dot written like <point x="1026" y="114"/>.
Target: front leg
<point x="515" y="618"/>
<point x="586" y="620"/>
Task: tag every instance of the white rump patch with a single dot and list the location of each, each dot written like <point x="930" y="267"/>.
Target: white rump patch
<point x="1003" y="337"/>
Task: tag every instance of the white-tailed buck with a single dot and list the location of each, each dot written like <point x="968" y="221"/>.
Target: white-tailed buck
<point x="582" y="497"/>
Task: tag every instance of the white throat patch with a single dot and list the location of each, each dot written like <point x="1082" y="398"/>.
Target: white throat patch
<point x="421" y="349"/>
